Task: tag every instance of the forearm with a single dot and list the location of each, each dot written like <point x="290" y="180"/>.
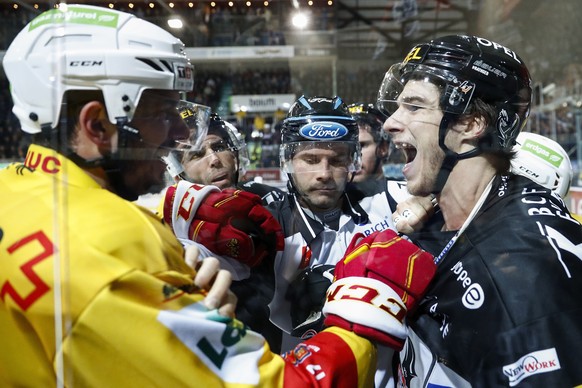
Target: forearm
<point x="178" y="341"/>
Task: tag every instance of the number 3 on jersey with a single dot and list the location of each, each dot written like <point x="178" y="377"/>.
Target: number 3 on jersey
<point x="29" y="251"/>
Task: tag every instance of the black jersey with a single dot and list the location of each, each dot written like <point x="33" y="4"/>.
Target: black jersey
<point x="505" y="308"/>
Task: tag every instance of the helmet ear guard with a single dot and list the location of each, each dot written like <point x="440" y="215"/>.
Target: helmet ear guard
<point x="455" y="99"/>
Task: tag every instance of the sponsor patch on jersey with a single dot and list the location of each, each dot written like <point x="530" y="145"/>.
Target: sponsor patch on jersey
<point x="323" y="130"/>
<point x="474" y="296"/>
<point x="226" y="347"/>
<point x="542" y="361"/>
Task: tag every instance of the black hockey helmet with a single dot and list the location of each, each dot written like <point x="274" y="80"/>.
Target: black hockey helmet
<point x="466" y="68"/>
<point x="370" y="115"/>
<point x="319" y="121"/>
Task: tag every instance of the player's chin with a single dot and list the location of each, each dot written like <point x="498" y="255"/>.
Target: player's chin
<point x="324" y="201"/>
<point x="419" y="187"/>
<point x="154" y="184"/>
<point x="157" y="173"/>
<point x="222" y="183"/>
<point x="359" y="176"/>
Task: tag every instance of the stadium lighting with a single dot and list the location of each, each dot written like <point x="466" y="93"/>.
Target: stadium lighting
<point x="175" y="23"/>
<point x="299" y="20"/>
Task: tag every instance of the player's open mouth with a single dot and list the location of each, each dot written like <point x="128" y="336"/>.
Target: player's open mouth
<point x="219" y="178"/>
<point x="408" y="151"/>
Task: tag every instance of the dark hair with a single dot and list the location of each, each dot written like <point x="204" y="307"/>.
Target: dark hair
<point x="500" y="158"/>
<point x="73" y="102"/>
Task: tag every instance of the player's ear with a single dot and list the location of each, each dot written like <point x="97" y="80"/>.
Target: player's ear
<point x="93" y="122"/>
<point x="475" y="128"/>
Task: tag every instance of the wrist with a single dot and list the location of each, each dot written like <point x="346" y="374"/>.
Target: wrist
<point x="184" y="205"/>
<point x="368" y="302"/>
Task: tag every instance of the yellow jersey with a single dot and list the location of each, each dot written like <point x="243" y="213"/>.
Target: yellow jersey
<point x="94" y="292"/>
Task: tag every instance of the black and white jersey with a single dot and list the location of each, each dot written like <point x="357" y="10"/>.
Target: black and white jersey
<point x="505" y="307"/>
<point x="267" y="193"/>
<point x="310" y="241"/>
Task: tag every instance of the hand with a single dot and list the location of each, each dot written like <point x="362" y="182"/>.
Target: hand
<point x="216" y="281"/>
<point x="379" y="280"/>
<point x="411" y="214"/>
<point x="306" y="295"/>
<point x="230" y="222"/>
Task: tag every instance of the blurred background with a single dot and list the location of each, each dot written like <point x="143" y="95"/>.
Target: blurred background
<point x="253" y="58"/>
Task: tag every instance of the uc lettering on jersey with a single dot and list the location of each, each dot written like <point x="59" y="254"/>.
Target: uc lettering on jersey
<point x="47" y="163"/>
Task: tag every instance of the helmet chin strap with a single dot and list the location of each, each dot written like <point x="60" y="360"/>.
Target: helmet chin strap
<point x="111" y="163"/>
<point x="291" y="187"/>
<point x="237" y="168"/>
<point x="451" y="158"/>
<point x="378" y="159"/>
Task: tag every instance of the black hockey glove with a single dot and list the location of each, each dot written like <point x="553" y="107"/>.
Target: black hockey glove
<point x="306" y="294"/>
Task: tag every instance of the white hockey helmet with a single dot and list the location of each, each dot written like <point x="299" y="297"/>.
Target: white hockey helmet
<point x="544" y="161"/>
<point x="83" y="47"/>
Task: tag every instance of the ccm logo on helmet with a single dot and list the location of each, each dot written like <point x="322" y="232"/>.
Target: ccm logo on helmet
<point x="323" y="130"/>
<point x="87" y="63"/>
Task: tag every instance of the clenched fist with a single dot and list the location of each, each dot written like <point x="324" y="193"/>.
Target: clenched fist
<point x="230" y="222"/>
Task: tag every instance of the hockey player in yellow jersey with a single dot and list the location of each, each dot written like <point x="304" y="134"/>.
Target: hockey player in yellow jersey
<point x="94" y="290"/>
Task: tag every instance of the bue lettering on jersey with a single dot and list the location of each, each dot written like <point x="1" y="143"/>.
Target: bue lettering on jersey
<point x="377" y="227"/>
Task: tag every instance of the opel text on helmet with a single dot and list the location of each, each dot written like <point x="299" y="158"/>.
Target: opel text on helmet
<point x="544" y="161"/>
<point x="319" y="122"/>
<point x="465" y="69"/>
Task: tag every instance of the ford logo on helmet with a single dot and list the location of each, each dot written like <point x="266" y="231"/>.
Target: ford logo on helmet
<point x="323" y="130"/>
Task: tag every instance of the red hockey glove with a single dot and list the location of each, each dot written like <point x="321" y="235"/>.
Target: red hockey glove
<point x="230" y="222"/>
<point x="380" y="279"/>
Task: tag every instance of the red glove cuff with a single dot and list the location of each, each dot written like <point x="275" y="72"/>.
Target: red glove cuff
<point x="366" y="332"/>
